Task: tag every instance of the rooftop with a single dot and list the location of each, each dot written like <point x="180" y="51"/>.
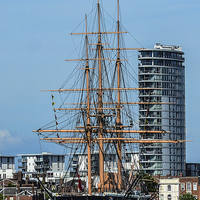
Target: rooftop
<point x="169" y="47"/>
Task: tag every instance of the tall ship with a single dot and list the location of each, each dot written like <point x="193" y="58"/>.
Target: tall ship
<point x="97" y="119"/>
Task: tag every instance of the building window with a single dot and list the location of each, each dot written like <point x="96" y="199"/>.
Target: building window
<point x="182" y="186"/>
<point x="194" y="186"/>
<point x="4" y="176"/>
<point x="161" y="197"/>
<point x="169" y="188"/>
<point x="188" y="186"/>
<point x="169" y="197"/>
<point x="195" y="196"/>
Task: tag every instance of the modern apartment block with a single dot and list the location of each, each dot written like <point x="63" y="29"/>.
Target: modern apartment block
<point x="192" y="169"/>
<point x="161" y="70"/>
<point x="79" y="163"/>
<point x="7" y="166"/>
<point x="52" y="164"/>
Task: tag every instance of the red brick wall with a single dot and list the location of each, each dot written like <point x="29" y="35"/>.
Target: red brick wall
<point x="190" y="180"/>
<point x="21" y="198"/>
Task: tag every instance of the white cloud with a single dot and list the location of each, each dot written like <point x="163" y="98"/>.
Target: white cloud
<point x="6" y="139"/>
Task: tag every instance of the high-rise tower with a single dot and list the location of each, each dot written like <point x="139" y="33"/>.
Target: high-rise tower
<point x="162" y="67"/>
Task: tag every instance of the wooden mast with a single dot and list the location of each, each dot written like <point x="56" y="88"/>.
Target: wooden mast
<point x="88" y="130"/>
<point x="118" y="125"/>
<point x="100" y="105"/>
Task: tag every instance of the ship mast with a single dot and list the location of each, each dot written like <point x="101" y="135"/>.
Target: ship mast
<point x="100" y="106"/>
<point x="88" y="131"/>
<point x="118" y="126"/>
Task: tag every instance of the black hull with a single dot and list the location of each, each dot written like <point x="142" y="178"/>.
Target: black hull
<point x="99" y="198"/>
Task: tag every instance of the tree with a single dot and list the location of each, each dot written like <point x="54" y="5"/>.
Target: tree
<point x="1" y="196"/>
<point x="187" y="197"/>
<point x="150" y="182"/>
<point x="11" y="185"/>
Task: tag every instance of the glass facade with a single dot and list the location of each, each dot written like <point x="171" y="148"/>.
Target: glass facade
<point x="162" y="72"/>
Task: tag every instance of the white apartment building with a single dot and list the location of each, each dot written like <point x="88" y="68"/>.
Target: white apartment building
<point x="130" y="161"/>
<point x="169" y="189"/>
<point x="161" y="70"/>
<point x="52" y="164"/>
<point x="7" y="166"/>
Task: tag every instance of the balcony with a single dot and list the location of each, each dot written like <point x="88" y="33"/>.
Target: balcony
<point x="22" y="167"/>
<point x="162" y="55"/>
<point x="75" y="158"/>
<point x="39" y="166"/>
<point x="46" y="161"/>
<point x="38" y="160"/>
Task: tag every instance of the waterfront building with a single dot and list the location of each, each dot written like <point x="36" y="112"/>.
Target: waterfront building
<point x="169" y="189"/>
<point x="161" y="70"/>
<point x="52" y="165"/>
<point x="130" y="161"/>
<point x="7" y="166"/>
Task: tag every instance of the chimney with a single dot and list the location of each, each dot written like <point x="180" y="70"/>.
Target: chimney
<point x="27" y="179"/>
<point x="19" y="176"/>
<point x="32" y="188"/>
<point x="167" y="175"/>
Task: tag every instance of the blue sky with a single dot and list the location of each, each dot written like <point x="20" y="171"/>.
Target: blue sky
<point x="34" y="43"/>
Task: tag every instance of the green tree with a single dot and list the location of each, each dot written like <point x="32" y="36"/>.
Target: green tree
<point x="1" y="196"/>
<point x="187" y="197"/>
<point x="11" y="185"/>
<point x="149" y="181"/>
<point x="151" y="184"/>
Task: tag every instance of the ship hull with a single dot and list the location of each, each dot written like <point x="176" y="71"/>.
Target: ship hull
<point x="101" y="198"/>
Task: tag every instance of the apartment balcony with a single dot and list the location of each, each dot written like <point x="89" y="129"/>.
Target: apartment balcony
<point x="150" y="124"/>
<point x="154" y="145"/>
<point x="38" y="160"/>
<point x="46" y="161"/>
<point x="152" y="152"/>
<point x="171" y="57"/>
<point x="75" y="158"/>
<point x="151" y="161"/>
<point x="22" y="167"/>
<point x="94" y="158"/>
<point x="39" y="166"/>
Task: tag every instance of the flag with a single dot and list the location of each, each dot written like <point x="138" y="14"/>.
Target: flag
<point x="79" y="182"/>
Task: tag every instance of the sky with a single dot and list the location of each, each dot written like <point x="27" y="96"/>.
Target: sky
<point x="35" y="41"/>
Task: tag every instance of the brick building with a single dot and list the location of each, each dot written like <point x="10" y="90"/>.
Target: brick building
<point x="190" y="184"/>
<point x="175" y="186"/>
